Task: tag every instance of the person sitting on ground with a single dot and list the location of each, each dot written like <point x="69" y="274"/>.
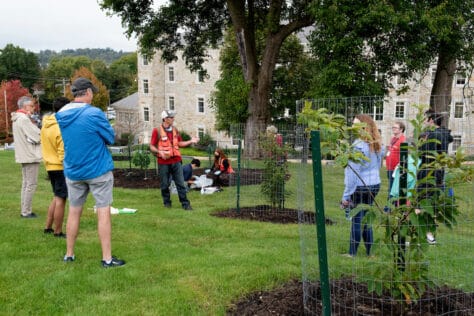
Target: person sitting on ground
<point x="188" y="171"/>
<point x="221" y="168"/>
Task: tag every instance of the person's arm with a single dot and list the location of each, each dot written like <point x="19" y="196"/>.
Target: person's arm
<point x="154" y="142"/>
<point x="186" y="143"/>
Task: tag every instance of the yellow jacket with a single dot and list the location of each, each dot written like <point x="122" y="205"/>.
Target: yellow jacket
<point x="52" y="144"/>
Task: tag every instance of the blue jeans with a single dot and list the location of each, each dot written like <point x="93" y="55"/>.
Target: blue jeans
<point x="365" y="195"/>
<point x="172" y="172"/>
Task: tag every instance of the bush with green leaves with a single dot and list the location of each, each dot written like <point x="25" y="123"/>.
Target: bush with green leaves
<point x="406" y="225"/>
<point x="141" y="158"/>
<point x="274" y="170"/>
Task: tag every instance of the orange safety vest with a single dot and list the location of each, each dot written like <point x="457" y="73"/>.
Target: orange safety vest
<point x="222" y="168"/>
<point x="166" y="147"/>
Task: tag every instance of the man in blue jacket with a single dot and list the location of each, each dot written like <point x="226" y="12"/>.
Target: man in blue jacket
<point x="88" y="166"/>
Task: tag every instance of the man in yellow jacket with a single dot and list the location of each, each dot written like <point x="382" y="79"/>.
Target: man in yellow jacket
<point x="53" y="155"/>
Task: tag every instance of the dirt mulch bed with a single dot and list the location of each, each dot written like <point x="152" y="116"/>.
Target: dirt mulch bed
<point x="266" y="213"/>
<point x="350" y="298"/>
<point x="139" y="179"/>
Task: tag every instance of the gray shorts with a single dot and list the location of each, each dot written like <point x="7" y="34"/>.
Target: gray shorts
<point x="100" y="187"/>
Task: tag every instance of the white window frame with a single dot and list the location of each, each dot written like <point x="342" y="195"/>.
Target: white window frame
<point x="146" y="86"/>
<point x="146" y="114"/>
<point x="200" y="78"/>
<point x="171" y="102"/>
<point x="457" y="142"/>
<point x="200" y="99"/>
<point x="457" y="105"/>
<point x="145" y="60"/>
<point x="401" y="104"/>
<point x="460" y="79"/>
<point x="171" y="74"/>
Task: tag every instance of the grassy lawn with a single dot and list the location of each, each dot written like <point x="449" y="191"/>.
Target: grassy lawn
<point x="178" y="263"/>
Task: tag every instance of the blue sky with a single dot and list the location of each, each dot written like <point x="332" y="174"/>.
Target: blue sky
<point x="36" y="25"/>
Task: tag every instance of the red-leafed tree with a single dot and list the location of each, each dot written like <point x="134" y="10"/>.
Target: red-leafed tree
<point x="10" y="92"/>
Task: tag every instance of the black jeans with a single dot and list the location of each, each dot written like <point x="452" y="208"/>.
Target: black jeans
<point x="173" y="171"/>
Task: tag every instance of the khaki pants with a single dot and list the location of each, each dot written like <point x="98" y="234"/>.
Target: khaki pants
<point x="28" y="186"/>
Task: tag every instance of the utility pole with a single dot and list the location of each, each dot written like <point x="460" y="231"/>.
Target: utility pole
<point x="6" y="111"/>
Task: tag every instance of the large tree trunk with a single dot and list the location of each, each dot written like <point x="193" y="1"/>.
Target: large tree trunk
<point x="440" y="98"/>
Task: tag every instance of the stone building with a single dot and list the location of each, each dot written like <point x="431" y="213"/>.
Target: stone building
<point x="171" y="86"/>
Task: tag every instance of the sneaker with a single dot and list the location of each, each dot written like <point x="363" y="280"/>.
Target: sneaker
<point x="31" y="215"/>
<point x="69" y="258"/>
<point x="48" y="230"/>
<point x="347" y="213"/>
<point x="60" y="235"/>
<point x="430" y="239"/>
<point x="113" y="263"/>
<point x="187" y="208"/>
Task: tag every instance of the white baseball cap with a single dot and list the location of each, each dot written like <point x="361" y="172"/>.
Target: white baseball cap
<point x="167" y="113"/>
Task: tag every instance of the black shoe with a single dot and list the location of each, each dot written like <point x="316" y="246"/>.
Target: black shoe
<point x="187" y="208"/>
<point x="31" y="215"/>
<point x="69" y="259"/>
<point x="60" y="235"/>
<point x="167" y="205"/>
<point x="48" y="230"/>
<point x="114" y="263"/>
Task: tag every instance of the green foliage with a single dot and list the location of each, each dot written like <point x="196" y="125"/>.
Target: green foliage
<point x="19" y="64"/>
<point x="107" y="55"/>
<point x="335" y="134"/>
<point x="360" y="45"/>
<point x="141" y="159"/>
<point x="275" y="168"/>
<point x="206" y="140"/>
<point x="184" y="135"/>
<point x="405" y="272"/>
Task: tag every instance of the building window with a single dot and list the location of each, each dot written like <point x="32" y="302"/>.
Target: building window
<point x="460" y="79"/>
<point x="200" y="105"/>
<point x="171" y="74"/>
<point x="146" y="114"/>
<point x="145" y="60"/>
<point x="171" y="103"/>
<point x="201" y="76"/>
<point x="201" y="133"/>
<point x="400" y="109"/>
<point x="145" y="86"/>
<point x="433" y="75"/>
<point x="458" y="110"/>
<point x="456" y="142"/>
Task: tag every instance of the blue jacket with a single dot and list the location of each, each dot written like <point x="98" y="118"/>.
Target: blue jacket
<point x="86" y="132"/>
<point x="368" y="171"/>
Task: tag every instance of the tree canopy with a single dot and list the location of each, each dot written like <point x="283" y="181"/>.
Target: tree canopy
<point x="17" y="63"/>
<point x="192" y="26"/>
<point x="366" y="43"/>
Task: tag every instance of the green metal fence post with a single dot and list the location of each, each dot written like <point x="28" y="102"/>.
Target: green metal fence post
<point x="238" y="173"/>
<point x="320" y="221"/>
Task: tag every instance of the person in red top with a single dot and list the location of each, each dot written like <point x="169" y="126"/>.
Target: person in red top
<point x="393" y="151"/>
<point x="165" y="143"/>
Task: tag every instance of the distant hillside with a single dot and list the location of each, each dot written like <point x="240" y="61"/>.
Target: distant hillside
<point x="108" y="55"/>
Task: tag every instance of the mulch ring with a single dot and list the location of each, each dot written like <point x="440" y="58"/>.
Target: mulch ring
<point x="266" y="213"/>
<point x="139" y="179"/>
<point x="351" y="298"/>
